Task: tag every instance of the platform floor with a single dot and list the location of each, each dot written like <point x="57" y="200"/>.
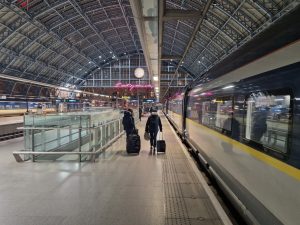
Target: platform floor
<point x="119" y="189"/>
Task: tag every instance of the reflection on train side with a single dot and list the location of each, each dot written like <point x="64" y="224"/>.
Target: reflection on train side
<point x="266" y="117"/>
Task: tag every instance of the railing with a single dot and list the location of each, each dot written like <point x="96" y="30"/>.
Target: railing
<point x="86" y="142"/>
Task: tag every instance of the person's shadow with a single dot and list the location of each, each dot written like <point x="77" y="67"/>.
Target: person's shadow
<point x="227" y="148"/>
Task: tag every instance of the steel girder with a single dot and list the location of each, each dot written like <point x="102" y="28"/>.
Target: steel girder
<point x="204" y="11"/>
<point x="65" y="60"/>
<point x="123" y="66"/>
<point x="227" y="26"/>
<point x="39" y="26"/>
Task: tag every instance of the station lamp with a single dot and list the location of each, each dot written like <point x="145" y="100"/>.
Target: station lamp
<point x="139" y="72"/>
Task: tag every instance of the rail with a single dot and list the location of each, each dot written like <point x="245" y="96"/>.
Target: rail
<point x="97" y="138"/>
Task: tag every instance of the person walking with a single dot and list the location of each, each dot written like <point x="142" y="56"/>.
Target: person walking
<point x="140" y="113"/>
<point x="152" y="126"/>
<point x="128" y="122"/>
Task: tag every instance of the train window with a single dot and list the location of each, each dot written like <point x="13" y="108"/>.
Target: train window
<point x="194" y="108"/>
<point x="238" y="127"/>
<point x="209" y="109"/>
<point x="267" y="120"/>
<point x="224" y="113"/>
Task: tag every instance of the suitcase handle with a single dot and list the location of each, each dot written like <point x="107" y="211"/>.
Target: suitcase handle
<point x="161" y="136"/>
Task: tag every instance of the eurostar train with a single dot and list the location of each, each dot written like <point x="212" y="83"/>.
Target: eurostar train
<point x="245" y="128"/>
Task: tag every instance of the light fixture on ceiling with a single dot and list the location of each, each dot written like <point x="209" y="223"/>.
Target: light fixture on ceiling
<point x="63" y="88"/>
<point x="139" y="72"/>
<point x="100" y="56"/>
<point x="155" y="78"/>
<point x="228" y="87"/>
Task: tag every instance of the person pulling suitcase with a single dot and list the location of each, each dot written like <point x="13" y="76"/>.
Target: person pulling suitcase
<point x="153" y="125"/>
<point x="133" y="141"/>
<point x="128" y="122"/>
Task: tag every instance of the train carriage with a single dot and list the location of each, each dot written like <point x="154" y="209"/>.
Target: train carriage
<point x="244" y="126"/>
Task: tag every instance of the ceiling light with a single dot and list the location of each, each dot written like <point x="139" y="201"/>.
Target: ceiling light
<point x="199" y="62"/>
<point x="110" y="52"/>
<point x="100" y="56"/>
<point x="139" y="72"/>
<point x="155" y="78"/>
<point x="90" y="62"/>
<point x="227" y="87"/>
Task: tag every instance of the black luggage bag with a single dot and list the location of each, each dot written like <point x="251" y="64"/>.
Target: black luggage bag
<point x="161" y="145"/>
<point x="133" y="144"/>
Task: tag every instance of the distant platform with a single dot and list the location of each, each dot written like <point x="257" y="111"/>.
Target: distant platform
<point x="11" y="120"/>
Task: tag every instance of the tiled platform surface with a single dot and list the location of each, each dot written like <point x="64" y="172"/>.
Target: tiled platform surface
<point x="119" y="189"/>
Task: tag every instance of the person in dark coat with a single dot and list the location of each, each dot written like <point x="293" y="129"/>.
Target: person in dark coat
<point x="152" y="126"/>
<point x="140" y="113"/>
<point x="128" y="122"/>
<point x="231" y="128"/>
<point x="259" y="124"/>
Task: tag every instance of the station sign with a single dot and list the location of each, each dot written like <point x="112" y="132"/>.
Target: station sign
<point x="149" y="100"/>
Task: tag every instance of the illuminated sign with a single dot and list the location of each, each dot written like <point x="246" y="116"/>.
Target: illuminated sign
<point x="23" y="4"/>
<point x="71" y="100"/>
<point x="133" y="86"/>
<point x="149" y="100"/>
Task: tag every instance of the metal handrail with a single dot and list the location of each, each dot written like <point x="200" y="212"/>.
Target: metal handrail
<point x="19" y="159"/>
<point x="90" y="150"/>
<point x="66" y="127"/>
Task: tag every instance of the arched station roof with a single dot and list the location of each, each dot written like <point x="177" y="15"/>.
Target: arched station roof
<point x="198" y="34"/>
<point x="64" y="41"/>
<point x="58" y="41"/>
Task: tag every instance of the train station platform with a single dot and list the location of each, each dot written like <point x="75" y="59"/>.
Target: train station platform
<point x="119" y="189"/>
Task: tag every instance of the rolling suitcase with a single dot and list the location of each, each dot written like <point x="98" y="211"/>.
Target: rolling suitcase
<point x="161" y="145"/>
<point x="133" y="144"/>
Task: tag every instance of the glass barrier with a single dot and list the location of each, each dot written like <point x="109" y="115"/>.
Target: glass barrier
<point x="70" y="132"/>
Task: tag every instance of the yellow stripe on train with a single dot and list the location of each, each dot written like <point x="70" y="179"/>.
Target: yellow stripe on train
<point x="283" y="167"/>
